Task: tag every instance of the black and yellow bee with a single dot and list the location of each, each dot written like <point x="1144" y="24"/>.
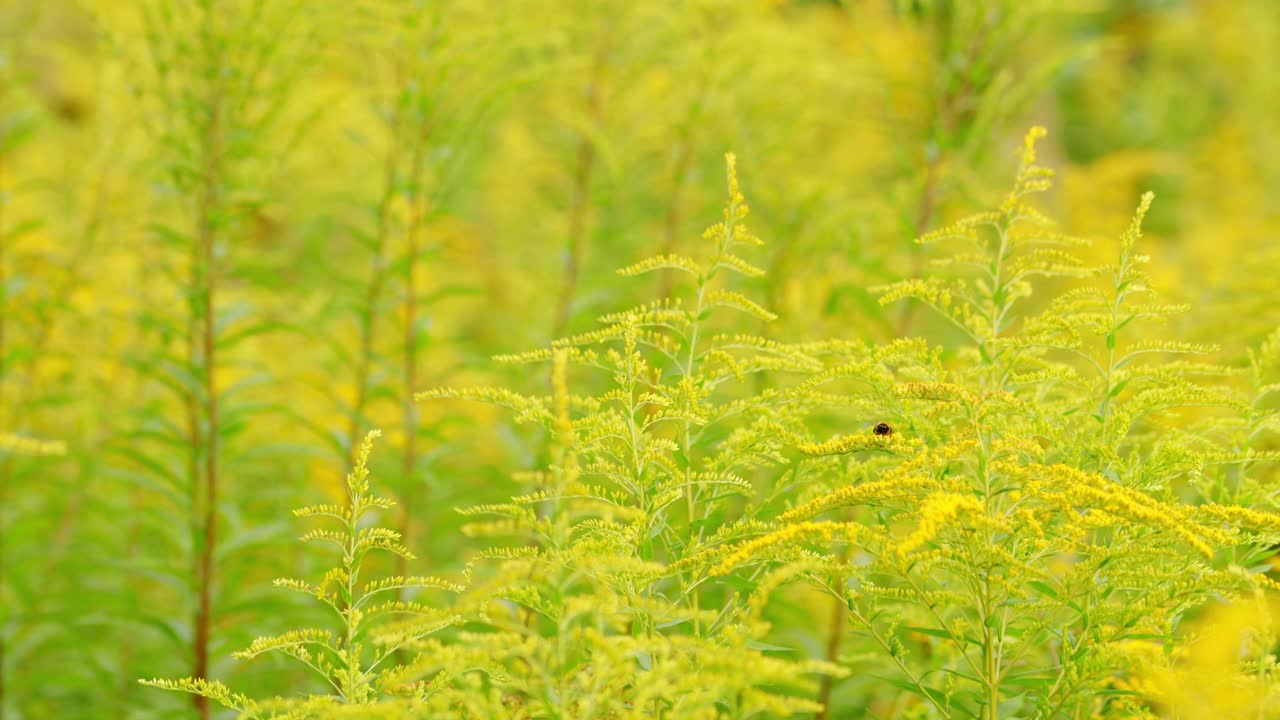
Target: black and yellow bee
<point x="883" y="429"/>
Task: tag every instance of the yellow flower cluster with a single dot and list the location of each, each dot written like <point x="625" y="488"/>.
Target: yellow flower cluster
<point x="211" y="689"/>
<point x="284" y="641"/>
<point x="30" y="446"/>
<point x="889" y="488"/>
<point x="663" y="262"/>
<point x="1257" y="520"/>
<point x="1031" y="177"/>
<point x="1071" y="487"/>
<point x="936" y="512"/>
<point x="945" y="392"/>
<point x="788" y="535"/>
<point x="863" y="441"/>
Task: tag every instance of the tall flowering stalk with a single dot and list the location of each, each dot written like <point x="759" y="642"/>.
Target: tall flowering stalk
<point x="609" y="552"/>
<point x="991" y="548"/>
<point x="356" y="658"/>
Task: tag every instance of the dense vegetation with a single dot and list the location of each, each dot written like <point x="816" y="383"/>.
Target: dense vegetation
<point x="589" y="359"/>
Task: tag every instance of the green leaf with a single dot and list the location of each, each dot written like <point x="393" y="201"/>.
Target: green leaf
<point x="1119" y="387"/>
<point x="924" y="692"/>
<point x="1044" y="588"/>
<point x="940" y="633"/>
<point x="22" y="228"/>
<point x="1030" y="679"/>
<point x="231" y="339"/>
<point x="766" y="647"/>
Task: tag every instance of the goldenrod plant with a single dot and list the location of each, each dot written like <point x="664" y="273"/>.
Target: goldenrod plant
<point x="1035" y="522"/>
<point x="212" y="80"/>
<point x="613" y="608"/>
<point x="357" y="657"/>
<point x="429" y="126"/>
<point x="1025" y="467"/>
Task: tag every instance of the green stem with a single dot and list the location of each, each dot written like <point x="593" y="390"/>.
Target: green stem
<point x="580" y="201"/>
<point x="205" y="276"/>
<point x="888" y="648"/>
<point x="4" y="468"/>
<point x="368" y="315"/>
<point x="352" y="566"/>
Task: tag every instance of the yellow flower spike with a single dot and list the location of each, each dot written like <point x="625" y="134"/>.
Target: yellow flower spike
<point x="936" y="512"/>
<point x="785" y="536"/>
<point x="731" y="168"/>
<point x="20" y="445"/>
<point x="1027" y="154"/>
<point x="1134" y="232"/>
<point x="844" y="444"/>
<point x="864" y="493"/>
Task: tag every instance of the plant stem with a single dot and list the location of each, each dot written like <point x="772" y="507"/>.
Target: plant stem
<point x="943" y="126"/>
<point x="409" y="409"/>
<point x="991" y="656"/>
<point x="353" y="569"/>
<point x="4" y="470"/>
<point x="368" y="315"/>
<point x="205" y="272"/>
<point x="835" y="635"/>
<point x="888" y="648"/>
<point x="579" y="203"/>
<point x="577" y="227"/>
<point x="671" y="222"/>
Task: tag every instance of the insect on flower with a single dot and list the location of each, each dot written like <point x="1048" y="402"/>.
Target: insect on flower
<point x="883" y="429"/>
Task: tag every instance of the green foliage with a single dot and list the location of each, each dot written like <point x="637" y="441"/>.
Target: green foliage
<point x="612" y="609"/>
<point x="903" y="460"/>
<point x="378" y="652"/>
<point x="1006" y="563"/>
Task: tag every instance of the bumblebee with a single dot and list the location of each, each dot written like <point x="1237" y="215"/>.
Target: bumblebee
<point x="883" y="429"/>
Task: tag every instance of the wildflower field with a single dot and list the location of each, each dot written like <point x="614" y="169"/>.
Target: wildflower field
<point x="607" y="360"/>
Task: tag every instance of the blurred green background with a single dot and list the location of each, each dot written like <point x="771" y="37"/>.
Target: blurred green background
<point x="384" y="194"/>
